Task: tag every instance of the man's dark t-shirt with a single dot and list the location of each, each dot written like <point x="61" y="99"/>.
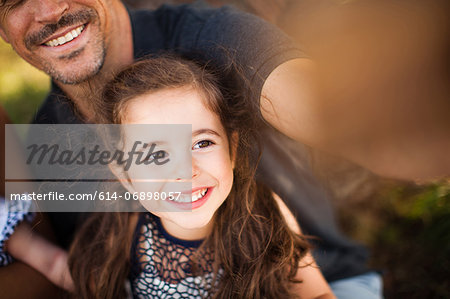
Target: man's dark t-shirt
<point x="219" y="36"/>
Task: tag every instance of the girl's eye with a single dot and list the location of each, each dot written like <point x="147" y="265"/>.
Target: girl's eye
<point x="203" y="144"/>
<point x="157" y="155"/>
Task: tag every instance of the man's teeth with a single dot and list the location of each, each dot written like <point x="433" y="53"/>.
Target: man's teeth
<point x="195" y="196"/>
<point x="66" y="38"/>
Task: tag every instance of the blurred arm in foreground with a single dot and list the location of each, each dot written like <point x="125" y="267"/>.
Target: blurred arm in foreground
<point x="378" y="92"/>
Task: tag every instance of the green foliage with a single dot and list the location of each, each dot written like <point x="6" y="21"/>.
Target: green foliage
<point x="413" y="242"/>
<point x="22" y="87"/>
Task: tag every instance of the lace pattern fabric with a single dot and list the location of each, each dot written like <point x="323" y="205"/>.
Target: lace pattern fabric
<point x="161" y="266"/>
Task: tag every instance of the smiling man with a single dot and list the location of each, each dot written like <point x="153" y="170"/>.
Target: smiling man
<point x="82" y="43"/>
<point x="55" y="46"/>
<point x="71" y="41"/>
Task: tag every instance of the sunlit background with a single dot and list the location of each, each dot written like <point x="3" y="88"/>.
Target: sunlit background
<point x="22" y="87"/>
<point x="405" y="224"/>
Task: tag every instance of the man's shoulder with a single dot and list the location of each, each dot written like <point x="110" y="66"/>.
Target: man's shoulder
<point x="168" y="16"/>
<point x="199" y="9"/>
<point x="181" y="25"/>
<point x="219" y="37"/>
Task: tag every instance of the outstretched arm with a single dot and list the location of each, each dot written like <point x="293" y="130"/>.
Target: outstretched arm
<point x="289" y="101"/>
<point x="358" y="129"/>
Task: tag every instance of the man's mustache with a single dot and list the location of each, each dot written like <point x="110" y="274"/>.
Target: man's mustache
<point x="79" y="17"/>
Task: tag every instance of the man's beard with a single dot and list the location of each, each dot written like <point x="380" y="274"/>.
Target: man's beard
<point x="79" y="73"/>
<point x="77" y="77"/>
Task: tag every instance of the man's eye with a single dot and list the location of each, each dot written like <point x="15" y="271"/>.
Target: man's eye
<point x="203" y="144"/>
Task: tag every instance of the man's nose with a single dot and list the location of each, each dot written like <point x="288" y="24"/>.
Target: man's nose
<point x="49" y="11"/>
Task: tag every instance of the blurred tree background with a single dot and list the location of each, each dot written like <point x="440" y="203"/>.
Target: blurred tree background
<point x="22" y="87"/>
<point x="406" y="225"/>
<point x="407" y="228"/>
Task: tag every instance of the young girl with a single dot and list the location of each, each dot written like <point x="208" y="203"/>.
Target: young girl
<point x="231" y="240"/>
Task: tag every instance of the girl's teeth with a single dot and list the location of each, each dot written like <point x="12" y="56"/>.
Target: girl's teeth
<point x="194" y="197"/>
<point x="66" y="38"/>
<point x="199" y="195"/>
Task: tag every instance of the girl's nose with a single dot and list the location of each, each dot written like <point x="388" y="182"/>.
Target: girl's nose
<point x="186" y="171"/>
<point x="195" y="168"/>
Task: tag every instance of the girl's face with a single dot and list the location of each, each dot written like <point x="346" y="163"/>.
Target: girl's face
<point x="211" y="178"/>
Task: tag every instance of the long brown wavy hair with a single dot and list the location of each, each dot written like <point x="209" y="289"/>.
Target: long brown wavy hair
<point x="250" y="240"/>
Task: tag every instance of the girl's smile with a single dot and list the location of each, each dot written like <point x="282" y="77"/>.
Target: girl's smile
<point x="210" y="178"/>
<point x="195" y="200"/>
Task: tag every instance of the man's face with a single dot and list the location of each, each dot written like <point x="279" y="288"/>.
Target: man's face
<point x="64" y="38"/>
